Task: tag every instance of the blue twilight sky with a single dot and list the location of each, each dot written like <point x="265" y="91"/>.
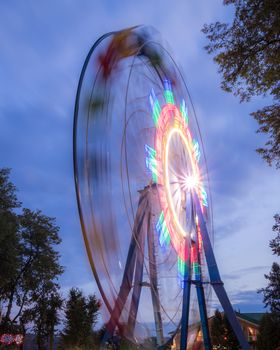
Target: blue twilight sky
<point x="42" y="48"/>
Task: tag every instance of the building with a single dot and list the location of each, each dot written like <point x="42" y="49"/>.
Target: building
<point x="250" y="323"/>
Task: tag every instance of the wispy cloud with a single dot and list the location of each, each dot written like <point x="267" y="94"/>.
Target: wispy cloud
<point x="43" y="46"/>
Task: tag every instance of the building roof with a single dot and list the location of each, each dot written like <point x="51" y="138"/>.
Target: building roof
<point x="253" y="317"/>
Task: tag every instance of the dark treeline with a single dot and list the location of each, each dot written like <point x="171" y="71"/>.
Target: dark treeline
<point x="30" y="298"/>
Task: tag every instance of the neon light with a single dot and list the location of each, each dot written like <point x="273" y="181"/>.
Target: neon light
<point x="199" y="238"/>
<point x="166" y="174"/>
<point x="182" y="268"/>
<point x="184" y="112"/>
<point x="151" y="162"/>
<point x="196" y="150"/>
<point x="168" y="94"/>
<point x="196" y="270"/>
<point x="162" y="230"/>
<point x="204" y="197"/>
<point x="172" y="122"/>
<point x="155" y="106"/>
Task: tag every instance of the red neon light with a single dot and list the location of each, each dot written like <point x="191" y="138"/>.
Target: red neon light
<point x="169" y="118"/>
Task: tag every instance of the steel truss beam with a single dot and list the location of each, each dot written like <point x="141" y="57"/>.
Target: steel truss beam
<point x="133" y="273"/>
<point x="218" y="286"/>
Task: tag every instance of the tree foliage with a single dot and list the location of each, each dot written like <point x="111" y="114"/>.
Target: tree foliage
<point x="275" y="242"/>
<point x="248" y="55"/>
<point x="9" y="236"/>
<point x="29" y="266"/>
<point x="268" y="337"/>
<point x="271" y="293"/>
<point x="222" y="335"/>
<point x="270" y="326"/>
<point x="80" y="318"/>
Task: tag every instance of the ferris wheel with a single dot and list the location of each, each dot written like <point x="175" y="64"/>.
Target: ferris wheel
<point x="143" y="192"/>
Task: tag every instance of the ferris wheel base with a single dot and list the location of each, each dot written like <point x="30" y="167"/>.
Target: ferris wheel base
<point x="218" y="286"/>
<point x="133" y="273"/>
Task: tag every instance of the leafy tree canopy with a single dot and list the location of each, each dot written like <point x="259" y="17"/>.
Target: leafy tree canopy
<point x="29" y="267"/>
<point x="9" y="235"/>
<point x="271" y="293"/>
<point x="275" y="242"/>
<point x="248" y="55"/>
<point x="270" y="326"/>
<point x="268" y="337"/>
<point x="80" y="318"/>
<point x="222" y="335"/>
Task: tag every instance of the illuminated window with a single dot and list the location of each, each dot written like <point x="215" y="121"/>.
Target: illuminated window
<point x="251" y="334"/>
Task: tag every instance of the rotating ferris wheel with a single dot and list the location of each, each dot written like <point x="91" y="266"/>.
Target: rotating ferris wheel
<point x="143" y="193"/>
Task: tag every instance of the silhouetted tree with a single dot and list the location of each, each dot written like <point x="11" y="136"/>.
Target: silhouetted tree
<point x="44" y="315"/>
<point x="217" y="329"/>
<point x="275" y="242"/>
<point x="271" y="293"/>
<point x="222" y="335"/>
<point x="80" y="318"/>
<point x="9" y="235"/>
<point x="28" y="275"/>
<point x="268" y="337"/>
<point x="270" y="326"/>
<point x="248" y="55"/>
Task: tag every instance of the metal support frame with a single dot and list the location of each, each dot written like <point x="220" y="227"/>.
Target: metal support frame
<point x="154" y="284"/>
<point x="185" y="309"/>
<point x="215" y="279"/>
<point x="133" y="274"/>
<point x="200" y="294"/>
<point x="133" y="278"/>
<point x="133" y="268"/>
<point x="203" y="315"/>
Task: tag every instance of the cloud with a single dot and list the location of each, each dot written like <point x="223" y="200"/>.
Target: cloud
<point x="43" y="47"/>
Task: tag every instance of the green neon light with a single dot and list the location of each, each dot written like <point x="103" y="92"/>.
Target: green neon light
<point x="151" y="162"/>
<point x="161" y="227"/>
<point x="204" y="197"/>
<point x="196" y="268"/>
<point x="184" y="112"/>
<point x="182" y="267"/>
<point x="169" y="98"/>
<point x="156" y="111"/>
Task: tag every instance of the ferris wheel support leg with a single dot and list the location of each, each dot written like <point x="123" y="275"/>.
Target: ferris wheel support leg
<point x="128" y="273"/>
<point x="154" y="284"/>
<point x="137" y="285"/>
<point x="215" y="278"/>
<point x="203" y="315"/>
<point x="185" y="309"/>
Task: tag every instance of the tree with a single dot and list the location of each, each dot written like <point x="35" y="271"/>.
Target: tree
<point x="217" y="329"/>
<point x="275" y="242"/>
<point x="222" y="335"/>
<point x="28" y="276"/>
<point x="271" y="293"/>
<point x="248" y="55"/>
<point x="270" y="325"/>
<point x="45" y="316"/>
<point x="38" y="265"/>
<point x="80" y="318"/>
<point x="9" y="236"/>
<point x="268" y="337"/>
